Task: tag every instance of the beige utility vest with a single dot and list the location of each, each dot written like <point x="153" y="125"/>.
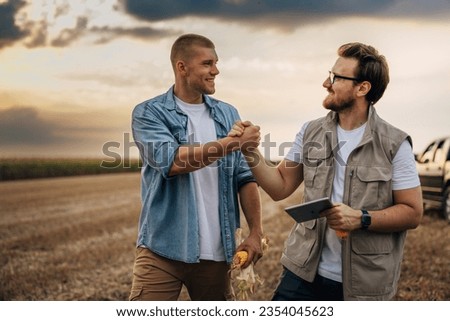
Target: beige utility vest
<point x="370" y="260"/>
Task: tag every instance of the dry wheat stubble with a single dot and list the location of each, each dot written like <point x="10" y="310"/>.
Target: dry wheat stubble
<point x="73" y="239"/>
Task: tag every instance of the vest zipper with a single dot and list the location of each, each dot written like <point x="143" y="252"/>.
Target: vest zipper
<point x="349" y="191"/>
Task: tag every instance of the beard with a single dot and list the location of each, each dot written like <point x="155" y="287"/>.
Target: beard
<point x="204" y="88"/>
<point x="339" y="105"/>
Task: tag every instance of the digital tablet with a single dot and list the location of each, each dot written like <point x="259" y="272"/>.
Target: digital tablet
<point x="309" y="210"/>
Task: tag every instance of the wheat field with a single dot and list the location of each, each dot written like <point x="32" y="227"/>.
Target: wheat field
<point x="73" y="238"/>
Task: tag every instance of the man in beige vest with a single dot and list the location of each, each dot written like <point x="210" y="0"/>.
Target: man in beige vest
<point x="366" y="167"/>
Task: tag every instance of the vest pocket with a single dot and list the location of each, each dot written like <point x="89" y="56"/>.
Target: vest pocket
<point x="316" y="168"/>
<point x="372" y="188"/>
<point x="373" y="265"/>
<point x="300" y="243"/>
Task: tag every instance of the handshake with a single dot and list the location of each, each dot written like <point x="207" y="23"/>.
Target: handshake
<point x="247" y="135"/>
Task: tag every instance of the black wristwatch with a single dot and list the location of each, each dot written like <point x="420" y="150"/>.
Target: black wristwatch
<point x="366" y="219"/>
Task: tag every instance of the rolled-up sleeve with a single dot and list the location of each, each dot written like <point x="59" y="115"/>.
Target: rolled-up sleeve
<point x="156" y="144"/>
<point x="243" y="173"/>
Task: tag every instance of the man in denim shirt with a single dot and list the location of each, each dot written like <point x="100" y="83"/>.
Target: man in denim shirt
<point x="192" y="178"/>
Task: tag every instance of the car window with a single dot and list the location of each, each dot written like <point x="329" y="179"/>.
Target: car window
<point x="427" y="155"/>
<point x="448" y="150"/>
<point x="439" y="154"/>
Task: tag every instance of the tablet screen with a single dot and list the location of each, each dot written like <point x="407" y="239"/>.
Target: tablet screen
<point x="309" y="210"/>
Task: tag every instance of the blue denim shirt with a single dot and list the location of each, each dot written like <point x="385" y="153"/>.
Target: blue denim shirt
<point x="168" y="223"/>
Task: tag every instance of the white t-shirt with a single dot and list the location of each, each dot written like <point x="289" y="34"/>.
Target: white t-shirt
<point x="201" y="130"/>
<point x="404" y="176"/>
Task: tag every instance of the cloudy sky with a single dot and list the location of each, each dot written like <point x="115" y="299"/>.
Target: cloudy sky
<point x="72" y="71"/>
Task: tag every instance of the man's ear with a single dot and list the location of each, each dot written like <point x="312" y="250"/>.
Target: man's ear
<point x="364" y="88"/>
<point x="181" y="67"/>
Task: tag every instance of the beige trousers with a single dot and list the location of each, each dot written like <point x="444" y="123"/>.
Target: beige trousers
<point x="156" y="278"/>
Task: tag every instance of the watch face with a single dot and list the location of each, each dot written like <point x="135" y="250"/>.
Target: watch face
<point x="366" y="219"/>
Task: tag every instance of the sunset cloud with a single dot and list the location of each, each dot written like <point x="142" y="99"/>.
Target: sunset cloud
<point x="17" y="25"/>
<point x="289" y="13"/>
<point x="106" y="34"/>
<point x="9" y="31"/>
<point x="72" y="71"/>
<point x="24" y="126"/>
<point x="61" y="25"/>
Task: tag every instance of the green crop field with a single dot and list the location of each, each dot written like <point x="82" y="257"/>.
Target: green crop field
<point x="27" y="168"/>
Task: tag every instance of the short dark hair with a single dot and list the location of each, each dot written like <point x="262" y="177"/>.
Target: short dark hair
<point x="182" y="47"/>
<point x="372" y="67"/>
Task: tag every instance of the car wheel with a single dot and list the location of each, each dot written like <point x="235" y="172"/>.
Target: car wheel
<point x="446" y="204"/>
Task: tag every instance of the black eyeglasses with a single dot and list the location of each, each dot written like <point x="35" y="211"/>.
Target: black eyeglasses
<point x="333" y="77"/>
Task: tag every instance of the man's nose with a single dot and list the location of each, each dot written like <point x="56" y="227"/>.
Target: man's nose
<point x="215" y="70"/>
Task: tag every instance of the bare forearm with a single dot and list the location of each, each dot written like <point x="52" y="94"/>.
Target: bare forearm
<point x="405" y="214"/>
<point x="396" y="218"/>
<point x="190" y="158"/>
<point x="251" y="206"/>
<point x="277" y="181"/>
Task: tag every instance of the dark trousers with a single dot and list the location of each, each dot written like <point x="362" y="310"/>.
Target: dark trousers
<point x="294" y="288"/>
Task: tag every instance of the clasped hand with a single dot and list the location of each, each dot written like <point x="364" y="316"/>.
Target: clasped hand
<point x="248" y="135"/>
